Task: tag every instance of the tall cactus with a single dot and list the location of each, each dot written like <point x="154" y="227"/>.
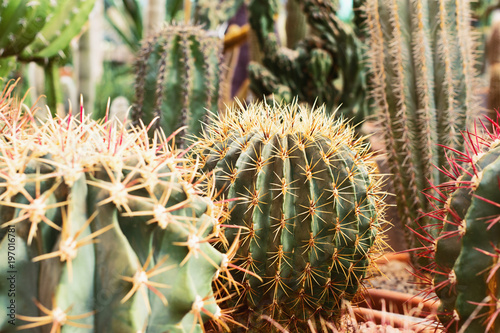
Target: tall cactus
<point x="423" y="81"/>
<point x="324" y="67"/>
<point x="467" y="251"/>
<point x="178" y="78"/>
<point x="110" y="234"/>
<point x="309" y="215"/>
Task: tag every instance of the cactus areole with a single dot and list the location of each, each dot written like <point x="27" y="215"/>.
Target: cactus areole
<point x="308" y="209"/>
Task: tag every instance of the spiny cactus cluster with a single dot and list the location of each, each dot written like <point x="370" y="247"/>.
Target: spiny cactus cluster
<point x="109" y="231"/>
<point x="306" y="204"/>
<point x="466" y="252"/>
<point x="178" y="78"/>
<point x="423" y="82"/>
<point x="325" y="67"/>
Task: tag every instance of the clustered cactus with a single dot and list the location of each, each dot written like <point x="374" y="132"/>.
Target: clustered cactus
<point x="423" y="83"/>
<point x="306" y="204"/>
<point x="323" y="68"/>
<point x="178" y="78"/>
<point x="109" y="229"/>
<point x="116" y="230"/>
<point x="466" y="253"/>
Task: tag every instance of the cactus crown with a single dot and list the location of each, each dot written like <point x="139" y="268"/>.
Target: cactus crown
<point x="304" y="195"/>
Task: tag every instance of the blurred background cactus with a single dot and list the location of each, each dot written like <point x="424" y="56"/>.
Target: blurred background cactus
<point x="110" y="233"/>
<point x="321" y="65"/>
<point x="178" y="79"/>
<point x="493" y="49"/>
<point x="422" y="58"/>
<point x="305" y="202"/>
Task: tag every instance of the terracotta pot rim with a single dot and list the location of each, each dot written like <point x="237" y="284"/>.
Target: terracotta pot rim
<point x="403" y="257"/>
<point x="395" y="320"/>
<point x="398" y="302"/>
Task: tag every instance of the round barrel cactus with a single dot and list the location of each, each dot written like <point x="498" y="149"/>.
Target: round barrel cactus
<point x="305" y="203"/>
<point x="467" y="251"/>
<point x="102" y="231"/>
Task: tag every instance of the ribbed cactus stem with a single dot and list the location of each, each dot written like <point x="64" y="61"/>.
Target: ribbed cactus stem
<point x="309" y="213"/>
<point x="421" y="57"/>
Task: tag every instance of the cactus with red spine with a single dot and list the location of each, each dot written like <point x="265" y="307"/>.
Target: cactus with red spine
<point x="110" y="232"/>
<point x="467" y="249"/>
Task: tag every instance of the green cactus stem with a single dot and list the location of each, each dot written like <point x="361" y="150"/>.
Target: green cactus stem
<point x="306" y="200"/>
<point x="20" y="22"/>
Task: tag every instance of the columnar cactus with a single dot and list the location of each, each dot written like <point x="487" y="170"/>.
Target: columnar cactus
<point x="306" y="203"/>
<point x="423" y="82"/>
<point x="178" y="78"/>
<point x="101" y="230"/>
<point x="467" y="251"/>
<point x="324" y="67"/>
